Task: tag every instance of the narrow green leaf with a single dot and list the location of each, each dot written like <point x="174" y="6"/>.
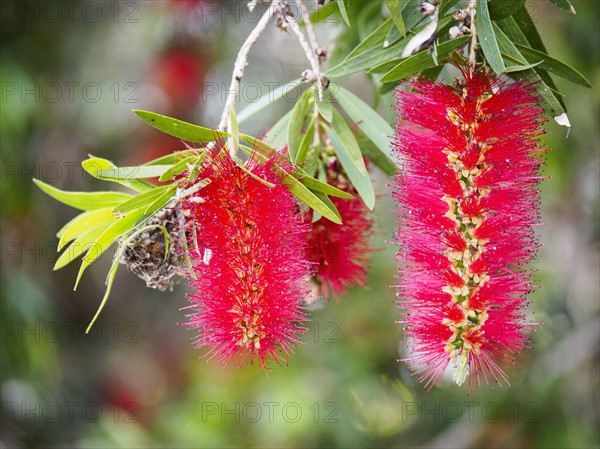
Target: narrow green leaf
<point x="130" y="173"/>
<point x="306" y="141"/>
<point x="297" y="188"/>
<point x="528" y="29"/>
<point x="323" y="12"/>
<point x="325" y="109"/>
<point x="375" y="155"/>
<point x="110" y="234"/>
<point x="174" y="158"/>
<point x="325" y="200"/>
<point x="565" y="4"/>
<point x="162" y="200"/>
<point x="500" y="9"/>
<point x="446" y="5"/>
<point x="432" y="73"/>
<point x="361" y="182"/>
<point x="109" y="282"/>
<point x="553" y="103"/>
<point x="487" y="38"/>
<point x="233" y="140"/>
<point x="552" y="65"/>
<point x="80" y="245"/>
<point x="277" y="135"/>
<point x="517" y="68"/>
<point x="83" y="200"/>
<point x="395" y="8"/>
<point x="367" y="59"/>
<point x="342" y="7"/>
<point x="84" y="222"/>
<point x="95" y="165"/>
<point x="180" y="129"/>
<point x="267" y="99"/>
<point x="511" y="29"/>
<point x="392" y="37"/>
<point x="299" y="113"/>
<point x="180" y="167"/>
<point x="309" y="198"/>
<point x="319" y="186"/>
<point x="375" y="39"/>
<point x="142" y="200"/>
<point x="344" y="134"/>
<point x="369" y="122"/>
<point x="422" y="60"/>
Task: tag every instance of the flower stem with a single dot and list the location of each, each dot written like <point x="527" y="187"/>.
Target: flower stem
<point x="241" y="61"/>
<point x="472" y="52"/>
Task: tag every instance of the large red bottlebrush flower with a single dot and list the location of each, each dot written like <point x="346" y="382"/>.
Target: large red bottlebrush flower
<point x="340" y="253"/>
<point x="248" y="252"/>
<point x="468" y="201"/>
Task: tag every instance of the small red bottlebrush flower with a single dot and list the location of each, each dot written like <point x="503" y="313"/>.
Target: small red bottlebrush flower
<point x="247" y="249"/>
<point x="468" y="201"/>
<point x="340" y="253"/>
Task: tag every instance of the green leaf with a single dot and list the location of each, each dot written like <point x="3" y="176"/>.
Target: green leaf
<point x="516" y="68"/>
<point x="565" y="4"/>
<point x="174" y="158"/>
<point x="180" y="167"/>
<point x="83" y="200"/>
<point x="84" y="222"/>
<point x="487" y="38"/>
<point x="109" y="282"/>
<point x="367" y="59"/>
<point x="369" y="122"/>
<point x="299" y="113"/>
<point x="234" y="139"/>
<point x="360" y="181"/>
<point x="300" y="191"/>
<point x="322" y="13"/>
<point x="342" y="7"/>
<point x="180" y="129"/>
<point x="95" y="165"/>
<point x="375" y="155"/>
<point x="297" y="188"/>
<point x="527" y="27"/>
<point x="79" y="246"/>
<point x="325" y="109"/>
<point x="164" y="199"/>
<point x="551" y="100"/>
<point x="500" y="9"/>
<point x="110" y="234"/>
<point x="395" y="8"/>
<point x="327" y="201"/>
<point x="142" y="200"/>
<point x="376" y="38"/>
<point x="348" y="144"/>
<point x="133" y="172"/>
<point x="511" y="29"/>
<point x="319" y="186"/>
<point x="277" y="135"/>
<point x="446" y="5"/>
<point x="306" y="141"/>
<point x="269" y="98"/>
<point x="420" y="61"/>
<point x="552" y="65"/>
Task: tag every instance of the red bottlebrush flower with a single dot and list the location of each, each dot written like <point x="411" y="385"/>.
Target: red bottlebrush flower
<point x="340" y="252"/>
<point x="468" y="202"/>
<point x="247" y="249"/>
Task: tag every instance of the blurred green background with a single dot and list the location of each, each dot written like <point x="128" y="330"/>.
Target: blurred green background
<point x="71" y="72"/>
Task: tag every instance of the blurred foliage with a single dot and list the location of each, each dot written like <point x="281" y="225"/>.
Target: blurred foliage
<point x="136" y="380"/>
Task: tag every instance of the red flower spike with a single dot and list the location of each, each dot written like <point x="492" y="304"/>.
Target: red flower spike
<point x="247" y="250"/>
<point x="340" y="253"/>
<point x="468" y="198"/>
